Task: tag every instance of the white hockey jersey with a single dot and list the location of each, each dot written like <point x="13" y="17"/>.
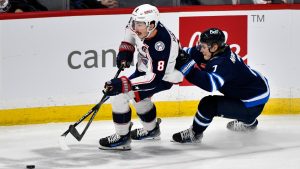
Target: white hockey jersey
<point x="156" y="58"/>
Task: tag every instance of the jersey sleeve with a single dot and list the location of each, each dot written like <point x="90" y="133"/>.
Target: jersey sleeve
<point x="195" y="54"/>
<point x="213" y="77"/>
<point x="171" y="74"/>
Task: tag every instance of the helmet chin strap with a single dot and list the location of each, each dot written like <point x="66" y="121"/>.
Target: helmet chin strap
<point x="149" y="31"/>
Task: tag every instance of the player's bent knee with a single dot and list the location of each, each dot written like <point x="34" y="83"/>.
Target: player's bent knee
<point x="208" y="106"/>
<point x="120" y="103"/>
<point x="143" y="106"/>
<point x="149" y="116"/>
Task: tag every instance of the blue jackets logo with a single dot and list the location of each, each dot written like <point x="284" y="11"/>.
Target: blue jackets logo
<point x="159" y="46"/>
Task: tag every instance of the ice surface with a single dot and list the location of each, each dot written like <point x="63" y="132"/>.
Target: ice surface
<point x="274" y="145"/>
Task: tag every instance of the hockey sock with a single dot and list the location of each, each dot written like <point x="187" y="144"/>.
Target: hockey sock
<point x="122" y="122"/>
<point x="148" y="119"/>
<point x="200" y="123"/>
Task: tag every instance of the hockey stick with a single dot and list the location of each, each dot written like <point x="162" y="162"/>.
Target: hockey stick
<point x="94" y="110"/>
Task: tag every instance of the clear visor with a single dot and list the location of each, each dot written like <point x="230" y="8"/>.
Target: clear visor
<point x="137" y="24"/>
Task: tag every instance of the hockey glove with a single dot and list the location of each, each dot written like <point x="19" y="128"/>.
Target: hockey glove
<point x="125" y="55"/>
<point x="117" y="86"/>
<point x="184" y="62"/>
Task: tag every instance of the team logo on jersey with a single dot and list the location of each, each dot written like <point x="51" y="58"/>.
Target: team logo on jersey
<point x="159" y="46"/>
<point x="234" y="27"/>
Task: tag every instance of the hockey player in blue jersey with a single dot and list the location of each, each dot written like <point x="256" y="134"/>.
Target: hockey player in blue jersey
<point x="157" y="49"/>
<point x="245" y="91"/>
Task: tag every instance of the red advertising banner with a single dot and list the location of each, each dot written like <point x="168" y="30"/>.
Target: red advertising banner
<point x="234" y="28"/>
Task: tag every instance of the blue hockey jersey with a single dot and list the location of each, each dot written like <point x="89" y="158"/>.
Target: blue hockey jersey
<point x="227" y="73"/>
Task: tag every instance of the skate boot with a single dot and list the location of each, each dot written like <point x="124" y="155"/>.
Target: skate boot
<point x="187" y="136"/>
<point x="141" y="133"/>
<point x="116" y="142"/>
<point x="241" y="126"/>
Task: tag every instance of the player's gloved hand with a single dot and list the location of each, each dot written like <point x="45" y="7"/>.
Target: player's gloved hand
<point x="125" y="55"/>
<point x="195" y="54"/>
<point x="184" y="62"/>
<point x="117" y="85"/>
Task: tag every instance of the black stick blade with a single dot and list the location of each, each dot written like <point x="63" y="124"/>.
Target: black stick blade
<point x="65" y="133"/>
<point x="74" y="132"/>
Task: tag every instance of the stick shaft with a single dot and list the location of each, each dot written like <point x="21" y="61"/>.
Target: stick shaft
<point x="94" y="110"/>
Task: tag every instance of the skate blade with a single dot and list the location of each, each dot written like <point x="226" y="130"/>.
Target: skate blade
<point x="119" y="148"/>
<point x="148" y="139"/>
<point x="243" y="130"/>
<point x="153" y="138"/>
<point x="185" y="143"/>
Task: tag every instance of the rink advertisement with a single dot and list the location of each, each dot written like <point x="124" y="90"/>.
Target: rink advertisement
<point x="53" y="67"/>
<point x="236" y="36"/>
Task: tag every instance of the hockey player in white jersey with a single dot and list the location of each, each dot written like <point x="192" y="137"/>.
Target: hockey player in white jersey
<point x="157" y="49"/>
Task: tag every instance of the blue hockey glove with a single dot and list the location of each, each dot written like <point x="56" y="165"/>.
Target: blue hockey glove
<point x="125" y="55"/>
<point x="117" y="86"/>
<point x="184" y="62"/>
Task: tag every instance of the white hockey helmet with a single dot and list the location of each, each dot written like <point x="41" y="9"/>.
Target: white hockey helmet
<point x="146" y="13"/>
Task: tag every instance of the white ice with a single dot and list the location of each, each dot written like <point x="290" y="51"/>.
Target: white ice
<point x="274" y="145"/>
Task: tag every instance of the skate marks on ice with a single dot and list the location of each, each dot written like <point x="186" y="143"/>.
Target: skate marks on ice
<point x="82" y="156"/>
<point x="157" y="154"/>
<point x="274" y="145"/>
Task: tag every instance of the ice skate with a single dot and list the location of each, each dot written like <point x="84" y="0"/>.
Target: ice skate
<point x="141" y="133"/>
<point x="241" y="126"/>
<point x="187" y="136"/>
<point x="116" y="142"/>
